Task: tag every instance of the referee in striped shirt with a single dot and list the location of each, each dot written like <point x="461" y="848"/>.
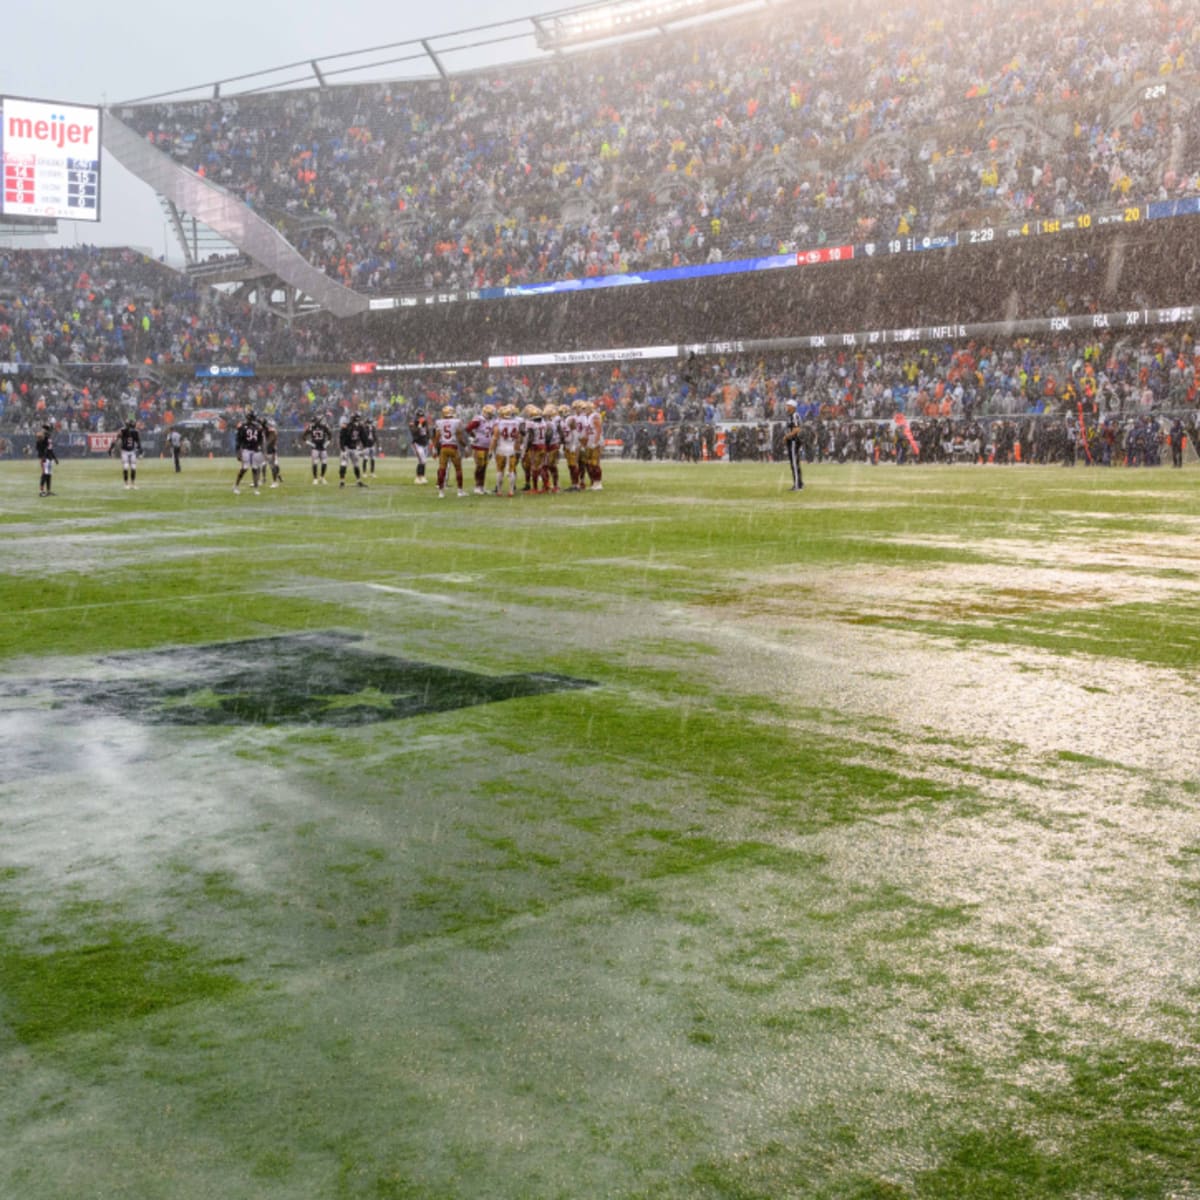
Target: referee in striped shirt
<point x="791" y="439"/>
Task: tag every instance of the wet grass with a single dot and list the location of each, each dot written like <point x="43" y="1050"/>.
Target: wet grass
<point x="72" y="982"/>
<point x="731" y="923"/>
<point x="1165" y="634"/>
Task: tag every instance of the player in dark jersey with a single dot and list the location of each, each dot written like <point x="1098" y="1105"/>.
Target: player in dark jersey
<point x="249" y="451"/>
<point x="419" y="434"/>
<point x="128" y="443"/>
<point x="350" y="443"/>
<point x="47" y="457"/>
<point x="271" y="448"/>
<point x="317" y="436"/>
<point x="369" y="442"/>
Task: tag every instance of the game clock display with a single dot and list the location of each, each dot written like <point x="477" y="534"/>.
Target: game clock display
<point x="51" y="160"/>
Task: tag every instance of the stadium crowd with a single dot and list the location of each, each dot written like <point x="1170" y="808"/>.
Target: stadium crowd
<point x="91" y="305"/>
<point x="749" y="136"/>
<point x="1119" y="377"/>
<point x="67" y="308"/>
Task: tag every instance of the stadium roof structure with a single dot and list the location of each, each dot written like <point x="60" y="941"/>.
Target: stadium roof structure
<point x="537" y="36"/>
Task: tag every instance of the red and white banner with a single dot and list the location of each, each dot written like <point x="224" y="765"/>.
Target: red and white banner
<point x="826" y="254"/>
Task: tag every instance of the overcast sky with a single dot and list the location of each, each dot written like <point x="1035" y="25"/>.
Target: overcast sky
<point x="100" y="52"/>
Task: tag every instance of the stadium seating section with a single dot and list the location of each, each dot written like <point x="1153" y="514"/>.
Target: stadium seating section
<point x="800" y="127"/>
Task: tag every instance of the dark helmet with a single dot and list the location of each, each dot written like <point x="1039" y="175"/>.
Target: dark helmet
<point x="130" y="423"/>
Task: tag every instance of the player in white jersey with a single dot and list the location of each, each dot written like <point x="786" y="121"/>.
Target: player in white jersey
<point x="506" y="447"/>
<point x="572" y="426"/>
<point x="448" y="441"/>
<point x="535" y="448"/>
<point x="595" y="446"/>
<point x="479" y="430"/>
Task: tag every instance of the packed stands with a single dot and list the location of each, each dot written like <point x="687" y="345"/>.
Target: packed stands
<point x="90" y="305"/>
<point x="1108" y="374"/>
<point x="792" y="128"/>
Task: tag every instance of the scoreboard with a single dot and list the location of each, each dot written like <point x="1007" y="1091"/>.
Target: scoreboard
<point x="51" y="160"/>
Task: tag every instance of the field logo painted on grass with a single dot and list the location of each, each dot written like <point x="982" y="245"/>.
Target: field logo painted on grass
<point x="324" y="678"/>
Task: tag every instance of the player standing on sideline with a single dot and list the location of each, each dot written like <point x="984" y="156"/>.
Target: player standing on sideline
<point x="317" y="436"/>
<point x="350" y="444"/>
<point x="447" y="442"/>
<point x="506" y="439"/>
<point x="366" y="431"/>
<point x="47" y="457"/>
<point x="175" y="441"/>
<point x="418" y="435"/>
<point x="479" y="429"/>
<point x="271" y="436"/>
<point x="249" y="451"/>
<point x="129" y="442"/>
<point x="791" y="440"/>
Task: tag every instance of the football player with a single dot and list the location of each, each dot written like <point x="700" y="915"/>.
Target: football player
<point x="447" y="443"/>
<point x="249" y="451"/>
<point x="44" y="446"/>
<point x="594" y="426"/>
<point x="419" y="437"/>
<point x="317" y="436"/>
<point x="129" y="443"/>
<point x="271" y="448"/>
<point x="572" y="428"/>
<point x="369" y="443"/>
<point x="350" y="444"/>
<point x="479" y="430"/>
<point x="506" y="442"/>
<point x="535" y="447"/>
<point x="554" y="441"/>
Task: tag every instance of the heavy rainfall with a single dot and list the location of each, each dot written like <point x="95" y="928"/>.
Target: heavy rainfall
<point x="611" y="604"/>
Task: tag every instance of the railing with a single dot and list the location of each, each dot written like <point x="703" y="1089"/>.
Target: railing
<point x="228" y="216"/>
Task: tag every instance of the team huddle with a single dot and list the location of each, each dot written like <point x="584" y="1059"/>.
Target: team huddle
<point x="532" y="439"/>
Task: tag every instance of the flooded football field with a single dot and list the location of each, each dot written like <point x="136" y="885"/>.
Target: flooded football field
<point x="677" y="841"/>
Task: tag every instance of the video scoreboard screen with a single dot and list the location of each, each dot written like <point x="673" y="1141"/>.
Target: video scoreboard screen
<point x="51" y="160"/>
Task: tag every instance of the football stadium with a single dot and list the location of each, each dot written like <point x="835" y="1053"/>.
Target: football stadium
<point x="616" y="615"/>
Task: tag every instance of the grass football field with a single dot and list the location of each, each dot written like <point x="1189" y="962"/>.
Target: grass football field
<point x="686" y="839"/>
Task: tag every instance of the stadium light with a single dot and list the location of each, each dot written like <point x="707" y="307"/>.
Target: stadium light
<point x="596" y="22"/>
